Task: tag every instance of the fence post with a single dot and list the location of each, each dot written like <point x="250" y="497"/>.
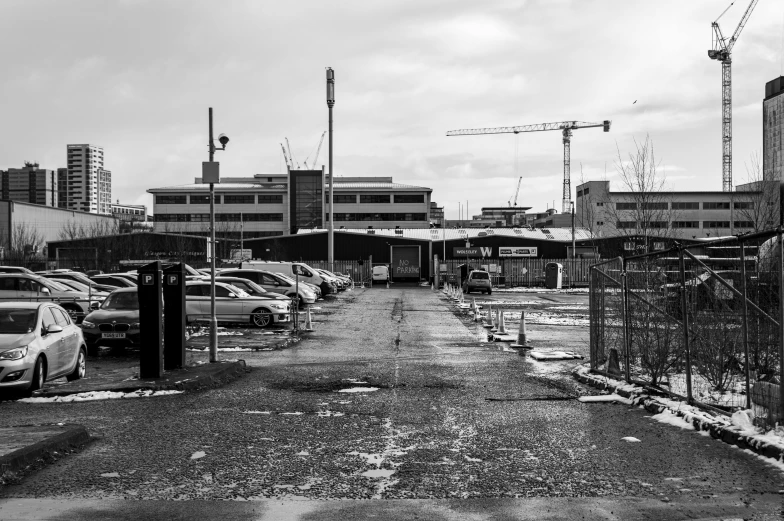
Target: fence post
<point x="592" y="322"/>
<point x="745" y="321"/>
<point x="685" y="321"/>
<point x="781" y="320"/>
<point x="625" y="305"/>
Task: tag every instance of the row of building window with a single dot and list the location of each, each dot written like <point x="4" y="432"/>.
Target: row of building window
<point x="722" y="205"/>
<point x="375" y="198"/>
<point x="379" y="217"/>
<point x="227" y="199"/>
<point x="629" y="225"/>
<point x="219" y="217"/>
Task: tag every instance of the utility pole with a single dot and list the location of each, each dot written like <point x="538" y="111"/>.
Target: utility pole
<point x="331" y="227"/>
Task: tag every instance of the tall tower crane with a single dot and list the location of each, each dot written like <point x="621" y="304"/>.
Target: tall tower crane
<point x="722" y="51"/>
<point x="291" y="156"/>
<point x="565" y="127"/>
<point x="517" y="192"/>
<point x="286" y="157"/>
<point x="318" y="149"/>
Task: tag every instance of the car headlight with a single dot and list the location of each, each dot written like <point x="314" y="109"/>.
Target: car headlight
<point x="134" y="325"/>
<point x="277" y="306"/>
<point x="14" y="354"/>
<point x="86" y="324"/>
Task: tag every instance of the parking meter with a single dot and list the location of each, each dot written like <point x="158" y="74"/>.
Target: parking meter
<point x="174" y="317"/>
<point x="150" y="320"/>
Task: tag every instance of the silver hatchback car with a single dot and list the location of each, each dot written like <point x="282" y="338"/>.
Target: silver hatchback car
<point x="38" y="342"/>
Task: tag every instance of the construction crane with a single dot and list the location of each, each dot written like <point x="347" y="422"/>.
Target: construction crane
<point x="516" y="192"/>
<point x="288" y="163"/>
<point x="565" y="127"/>
<point x="291" y="156"/>
<point x="722" y="51"/>
<point x="318" y="149"/>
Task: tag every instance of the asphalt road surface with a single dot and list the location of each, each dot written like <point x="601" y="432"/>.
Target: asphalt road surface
<point x="457" y="428"/>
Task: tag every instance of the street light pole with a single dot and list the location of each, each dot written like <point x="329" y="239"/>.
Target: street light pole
<point x="214" y="177"/>
<point x="331" y="226"/>
<point x="213" y="318"/>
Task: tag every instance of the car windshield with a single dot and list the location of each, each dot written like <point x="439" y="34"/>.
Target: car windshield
<point x="17" y="321"/>
<point x="121" y="300"/>
<point x="53" y="284"/>
<point x="73" y="284"/>
<point x="248" y="286"/>
<point x="480" y="275"/>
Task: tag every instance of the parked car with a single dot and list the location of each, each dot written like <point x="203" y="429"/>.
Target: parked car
<point x="115" y="323"/>
<point x="250" y="287"/>
<point x="23" y="287"/>
<point x="274" y="282"/>
<point x="478" y="280"/>
<point x="67" y="274"/>
<point x="96" y="290"/>
<point x="233" y="305"/>
<point x="131" y="277"/>
<point x="38" y="342"/>
<point x="15" y="269"/>
<point x="331" y="279"/>
<point x="115" y="280"/>
<point x="293" y="270"/>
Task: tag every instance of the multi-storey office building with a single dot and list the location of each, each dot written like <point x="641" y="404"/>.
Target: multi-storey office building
<point x="436" y="215"/>
<point x="30" y="184"/>
<point x="89" y="185"/>
<point x="773" y="130"/>
<point x="129" y="212"/>
<point x="62" y="188"/>
<point x="270" y="205"/>
<point x="687" y="215"/>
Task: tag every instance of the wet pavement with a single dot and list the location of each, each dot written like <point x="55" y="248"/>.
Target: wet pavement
<point x="397" y="396"/>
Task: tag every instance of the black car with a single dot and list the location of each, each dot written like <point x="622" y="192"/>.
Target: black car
<point x="115" y="323"/>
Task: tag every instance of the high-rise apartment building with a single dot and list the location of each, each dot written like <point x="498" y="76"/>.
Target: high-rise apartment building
<point x="773" y="130"/>
<point x="30" y="184"/>
<point x="62" y="188"/>
<point x="89" y="185"/>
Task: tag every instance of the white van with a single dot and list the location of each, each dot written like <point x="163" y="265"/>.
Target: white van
<point x="292" y="270"/>
<point x="381" y="273"/>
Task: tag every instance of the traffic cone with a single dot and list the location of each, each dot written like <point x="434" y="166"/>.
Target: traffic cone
<point x="501" y="326"/>
<point x="475" y="310"/>
<point x="521" y="340"/>
<point x="490" y="324"/>
<point x="308" y="323"/>
<point x="432" y="287"/>
<point x="387" y="284"/>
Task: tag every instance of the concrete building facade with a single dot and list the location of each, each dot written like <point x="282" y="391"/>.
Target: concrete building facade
<point x="30" y="184"/>
<point x="88" y="183"/>
<point x="687" y="215"/>
<point x="773" y="130"/>
<point x="271" y="205"/>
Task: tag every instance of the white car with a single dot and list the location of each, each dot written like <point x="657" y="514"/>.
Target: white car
<point x="34" y="288"/>
<point x="233" y="305"/>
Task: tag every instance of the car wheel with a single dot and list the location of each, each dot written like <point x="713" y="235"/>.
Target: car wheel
<point x="81" y="367"/>
<point x="261" y="318"/>
<point x="39" y="375"/>
<point x="489" y="291"/>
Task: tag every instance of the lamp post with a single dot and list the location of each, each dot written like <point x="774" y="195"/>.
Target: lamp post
<point x="331" y="226"/>
<point x="211" y="175"/>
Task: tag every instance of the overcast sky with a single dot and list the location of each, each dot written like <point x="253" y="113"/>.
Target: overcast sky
<point x="137" y="77"/>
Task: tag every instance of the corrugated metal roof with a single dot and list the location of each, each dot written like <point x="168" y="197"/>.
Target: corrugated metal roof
<point x="377" y="186"/>
<point x="220" y="187"/>
<point x="437" y="234"/>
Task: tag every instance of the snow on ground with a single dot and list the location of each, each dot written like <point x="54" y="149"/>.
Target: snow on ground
<point x="553" y="355"/>
<point x="556" y="319"/>
<point x="539" y="290"/>
<point x="358" y="389"/>
<point x="98" y="395"/>
<point x="605" y="398"/>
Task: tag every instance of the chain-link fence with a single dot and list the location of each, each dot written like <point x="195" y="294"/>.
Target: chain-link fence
<point x="701" y="322"/>
<point x="522" y="272"/>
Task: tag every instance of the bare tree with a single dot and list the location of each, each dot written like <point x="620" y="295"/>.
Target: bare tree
<point x="643" y="207"/>
<point x="757" y="201"/>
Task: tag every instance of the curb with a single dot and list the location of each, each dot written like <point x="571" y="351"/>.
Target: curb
<point x="719" y="428"/>
<point x="73" y="437"/>
<point x="220" y="376"/>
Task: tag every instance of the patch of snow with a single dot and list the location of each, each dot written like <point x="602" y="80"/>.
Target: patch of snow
<point x="630" y="439"/>
<point x="110" y="475"/>
<point x="605" y="398"/>
<point x="553" y="355"/>
<point x="297" y="413"/>
<point x="473" y="460"/>
<point x="327" y="414"/>
<point x="303" y="453"/>
<point x="378" y="473"/>
<point x="198" y="454"/>
<point x="671" y="418"/>
<point x="256" y="412"/>
<point x="358" y="390"/>
<point x="98" y="395"/>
